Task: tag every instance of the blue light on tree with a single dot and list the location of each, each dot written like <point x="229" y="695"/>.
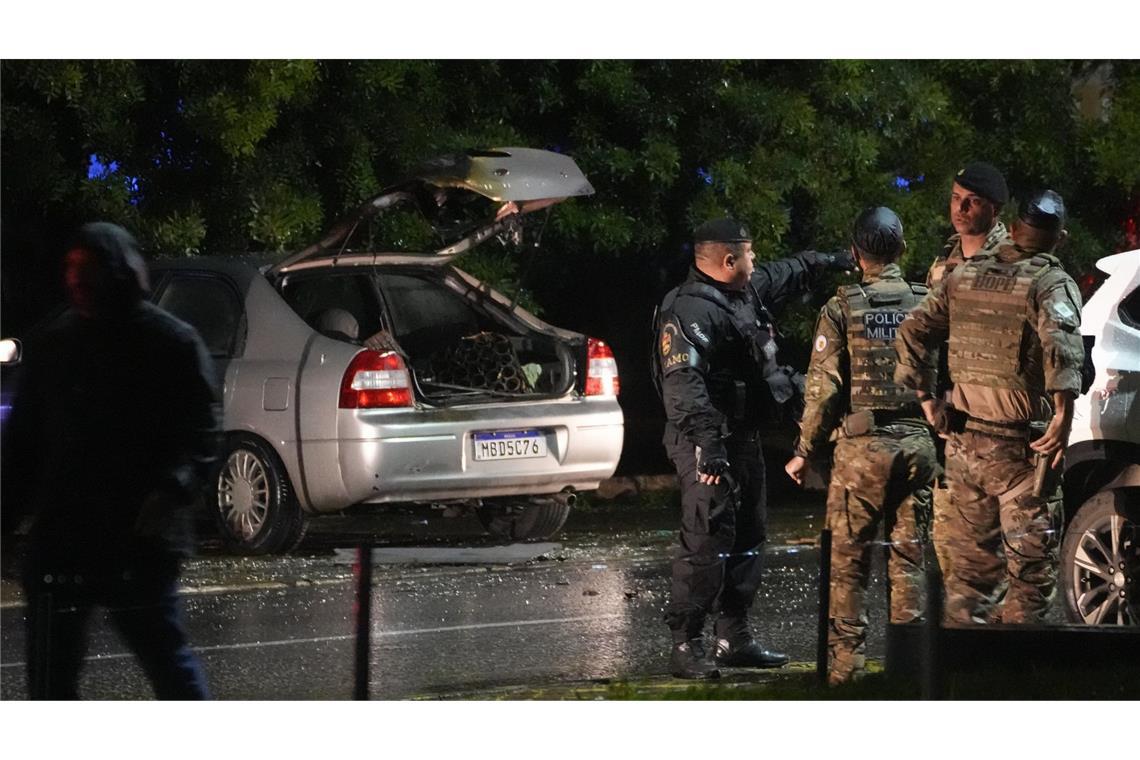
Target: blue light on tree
<point x="96" y="169"/>
<point x="904" y="183"/>
<point x="99" y="169"/>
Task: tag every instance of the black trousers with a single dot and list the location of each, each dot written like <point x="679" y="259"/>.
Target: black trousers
<point x="716" y="569"/>
<point x="141" y="599"/>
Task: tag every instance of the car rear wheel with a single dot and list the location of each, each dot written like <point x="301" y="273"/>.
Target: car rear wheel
<point x="525" y="521"/>
<point x="256" y="508"/>
<point x="1100" y="563"/>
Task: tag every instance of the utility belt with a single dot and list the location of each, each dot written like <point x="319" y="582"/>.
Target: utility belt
<point x="865" y="421"/>
<point x="1010" y="430"/>
<point x="951" y="420"/>
<point x="1045" y="478"/>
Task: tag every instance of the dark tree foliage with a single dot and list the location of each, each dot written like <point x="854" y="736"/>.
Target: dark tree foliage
<point x="223" y="157"/>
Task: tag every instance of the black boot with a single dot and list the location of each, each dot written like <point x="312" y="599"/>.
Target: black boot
<point x="690" y="660"/>
<point x="748" y="654"/>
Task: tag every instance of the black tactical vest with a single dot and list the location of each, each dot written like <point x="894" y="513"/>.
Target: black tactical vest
<point x="738" y="370"/>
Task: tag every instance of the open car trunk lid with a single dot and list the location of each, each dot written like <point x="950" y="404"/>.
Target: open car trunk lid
<point x="521" y="179"/>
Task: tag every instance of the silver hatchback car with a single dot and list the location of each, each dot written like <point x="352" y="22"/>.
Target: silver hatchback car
<point x="358" y="371"/>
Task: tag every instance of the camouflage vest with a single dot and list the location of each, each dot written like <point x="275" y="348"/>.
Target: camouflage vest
<point x="874" y="312"/>
<point x="988" y="322"/>
<point x="951" y="256"/>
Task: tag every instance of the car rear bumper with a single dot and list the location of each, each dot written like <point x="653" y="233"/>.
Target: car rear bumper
<point x="386" y="456"/>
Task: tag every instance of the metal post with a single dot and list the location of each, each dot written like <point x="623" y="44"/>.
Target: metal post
<point x="39" y="685"/>
<point x="932" y="666"/>
<point x="824" y="606"/>
<point x="363" y="621"/>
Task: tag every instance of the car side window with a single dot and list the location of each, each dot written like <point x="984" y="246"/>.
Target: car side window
<point x="210" y="306"/>
<point x="427" y="312"/>
<point x="352" y="295"/>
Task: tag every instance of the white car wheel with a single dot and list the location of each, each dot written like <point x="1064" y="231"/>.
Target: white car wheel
<point x="1100" y="563"/>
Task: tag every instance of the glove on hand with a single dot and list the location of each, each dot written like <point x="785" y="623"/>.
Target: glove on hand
<point x="715" y="466"/>
<point x="842" y="261"/>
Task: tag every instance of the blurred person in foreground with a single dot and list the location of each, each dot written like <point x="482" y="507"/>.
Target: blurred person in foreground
<point x="113" y="428"/>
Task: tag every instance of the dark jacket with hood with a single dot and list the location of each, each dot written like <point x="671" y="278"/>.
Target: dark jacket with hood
<point x="111" y="412"/>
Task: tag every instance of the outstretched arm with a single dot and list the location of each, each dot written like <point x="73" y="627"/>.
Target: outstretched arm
<point x="776" y="281"/>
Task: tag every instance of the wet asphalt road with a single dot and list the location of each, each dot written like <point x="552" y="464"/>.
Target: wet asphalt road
<point x="587" y="609"/>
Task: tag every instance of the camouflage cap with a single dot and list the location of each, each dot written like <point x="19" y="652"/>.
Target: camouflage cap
<point x="985" y="180"/>
<point x="1044" y="210"/>
<point x="722" y="231"/>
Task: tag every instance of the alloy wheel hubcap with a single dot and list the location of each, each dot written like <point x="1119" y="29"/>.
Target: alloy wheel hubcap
<point x="243" y="494"/>
<point x="1101" y="587"/>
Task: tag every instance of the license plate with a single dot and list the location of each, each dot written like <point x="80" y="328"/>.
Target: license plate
<point x="509" y="444"/>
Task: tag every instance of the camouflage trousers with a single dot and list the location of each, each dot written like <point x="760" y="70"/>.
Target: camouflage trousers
<point x="999" y="539"/>
<point x="940" y="529"/>
<point x="882" y="479"/>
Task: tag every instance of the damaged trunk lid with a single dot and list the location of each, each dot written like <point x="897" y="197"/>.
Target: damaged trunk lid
<point x="464" y="199"/>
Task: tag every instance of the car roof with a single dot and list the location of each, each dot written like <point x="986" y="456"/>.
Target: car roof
<point x="239" y="267"/>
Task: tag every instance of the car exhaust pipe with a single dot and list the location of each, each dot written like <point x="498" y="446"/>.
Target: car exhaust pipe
<point x="565" y="498"/>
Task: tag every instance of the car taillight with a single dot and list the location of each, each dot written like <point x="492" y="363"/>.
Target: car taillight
<point x="375" y="380"/>
<point x="601" y="370"/>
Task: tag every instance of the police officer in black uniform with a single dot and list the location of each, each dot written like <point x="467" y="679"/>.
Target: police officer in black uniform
<point x="718" y="377"/>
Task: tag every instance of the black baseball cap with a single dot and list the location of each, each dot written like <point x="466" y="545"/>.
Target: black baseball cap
<point x="985" y="180"/>
<point x="1044" y="210"/>
<point x="722" y="231"/>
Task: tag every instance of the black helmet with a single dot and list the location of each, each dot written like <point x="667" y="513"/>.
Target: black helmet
<point x="1044" y="210"/>
<point x="879" y="233"/>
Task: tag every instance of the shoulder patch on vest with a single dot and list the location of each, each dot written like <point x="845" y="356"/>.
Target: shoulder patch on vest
<point x="667" y="333"/>
<point x="820" y="342"/>
<point x="676" y="350"/>
<point x="1063" y="312"/>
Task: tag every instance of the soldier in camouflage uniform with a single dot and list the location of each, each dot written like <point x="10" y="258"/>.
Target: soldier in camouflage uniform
<point x="976" y="200"/>
<point x="1012" y="317"/>
<point x="884" y="459"/>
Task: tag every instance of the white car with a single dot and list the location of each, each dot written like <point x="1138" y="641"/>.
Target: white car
<point x="1100" y="555"/>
